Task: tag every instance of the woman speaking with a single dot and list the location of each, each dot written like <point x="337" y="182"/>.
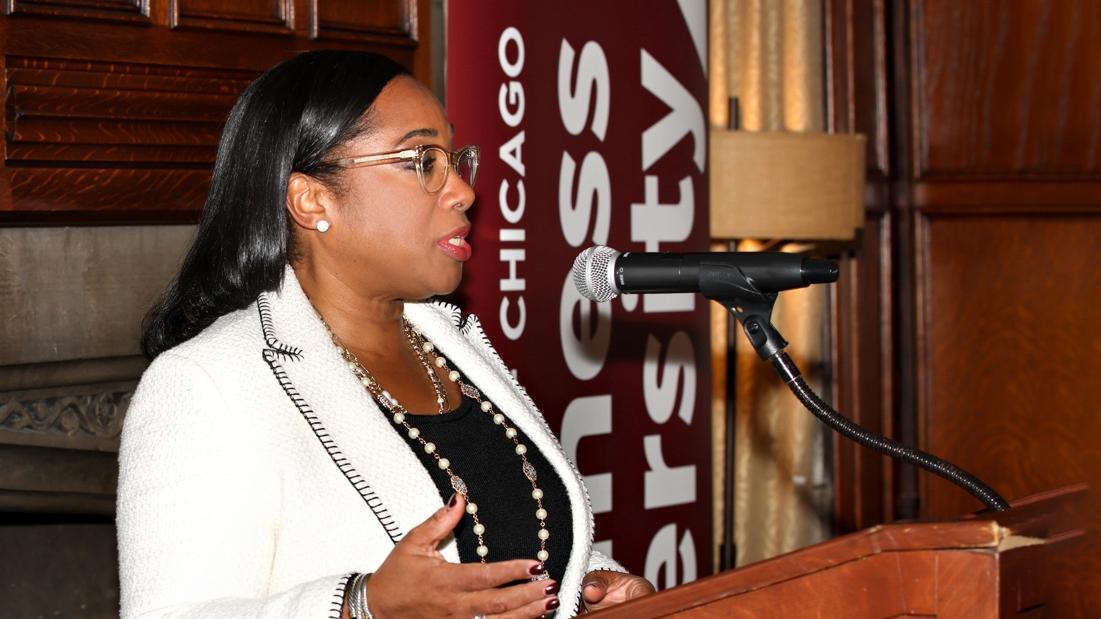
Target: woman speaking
<point x="314" y="438"/>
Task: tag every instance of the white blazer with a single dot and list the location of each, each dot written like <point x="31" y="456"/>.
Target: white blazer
<point x="256" y="474"/>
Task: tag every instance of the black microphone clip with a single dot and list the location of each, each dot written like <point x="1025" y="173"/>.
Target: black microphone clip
<point x="734" y="290"/>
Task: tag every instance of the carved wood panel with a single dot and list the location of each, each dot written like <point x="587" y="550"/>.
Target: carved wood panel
<point x="1007" y="88"/>
<point x="94" y="135"/>
<point x="857" y="55"/>
<point x="107" y="122"/>
<point x="1008" y="328"/>
<point x="1009" y="353"/>
<point x="132" y="11"/>
<point x="396" y="21"/>
<point x="273" y="16"/>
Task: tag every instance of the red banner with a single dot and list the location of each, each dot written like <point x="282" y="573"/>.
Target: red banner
<point x="591" y="119"/>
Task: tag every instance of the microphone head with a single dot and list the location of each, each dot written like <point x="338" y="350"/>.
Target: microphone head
<point x="592" y="273"/>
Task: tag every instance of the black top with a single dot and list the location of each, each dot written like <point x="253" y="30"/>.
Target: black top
<point x="486" y="460"/>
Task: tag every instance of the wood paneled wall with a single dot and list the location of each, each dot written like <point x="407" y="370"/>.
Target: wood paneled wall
<point x="111" y="113"/>
<point x="966" y="321"/>
<point x="113" y="108"/>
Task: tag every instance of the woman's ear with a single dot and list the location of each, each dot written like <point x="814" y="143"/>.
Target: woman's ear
<point x="307" y="202"/>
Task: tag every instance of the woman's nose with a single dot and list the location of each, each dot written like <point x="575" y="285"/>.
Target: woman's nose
<point x="460" y="195"/>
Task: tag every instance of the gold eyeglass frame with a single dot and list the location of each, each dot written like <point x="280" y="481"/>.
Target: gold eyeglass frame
<point x="416" y="155"/>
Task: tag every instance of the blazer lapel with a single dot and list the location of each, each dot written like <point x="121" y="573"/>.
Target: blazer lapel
<point x="360" y="438"/>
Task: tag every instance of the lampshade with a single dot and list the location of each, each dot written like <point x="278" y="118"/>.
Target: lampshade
<point x="786" y="185"/>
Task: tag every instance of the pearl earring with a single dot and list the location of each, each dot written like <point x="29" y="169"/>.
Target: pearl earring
<point x="322" y="225"/>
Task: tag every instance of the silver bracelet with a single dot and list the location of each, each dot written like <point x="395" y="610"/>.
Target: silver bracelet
<point x="357" y="600"/>
<point x="353" y="610"/>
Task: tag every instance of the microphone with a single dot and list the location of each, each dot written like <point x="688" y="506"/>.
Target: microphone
<point x="601" y="273"/>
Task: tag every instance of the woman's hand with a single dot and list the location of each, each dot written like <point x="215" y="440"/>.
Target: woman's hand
<point x="416" y="581"/>
<point x="604" y="588"/>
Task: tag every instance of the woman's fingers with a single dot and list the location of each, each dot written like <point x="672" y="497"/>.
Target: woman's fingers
<point x="524" y="601"/>
<point x="459" y="589"/>
<point x="594" y="587"/>
<point x="605" y="588"/>
<point x="534" y="609"/>
<point x="476" y="576"/>
<point x="594" y="592"/>
<point x="637" y="587"/>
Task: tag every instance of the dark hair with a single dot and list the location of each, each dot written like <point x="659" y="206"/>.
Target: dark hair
<point x="288" y="120"/>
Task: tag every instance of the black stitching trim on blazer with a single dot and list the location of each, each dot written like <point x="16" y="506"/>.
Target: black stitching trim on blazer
<point x="291" y="353"/>
<point x="272" y="355"/>
<point x="336" y="606"/>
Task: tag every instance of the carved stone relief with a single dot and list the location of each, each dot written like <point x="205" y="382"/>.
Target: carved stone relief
<point x="88" y="418"/>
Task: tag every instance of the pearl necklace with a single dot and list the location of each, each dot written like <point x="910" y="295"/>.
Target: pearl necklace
<point x="400" y="416"/>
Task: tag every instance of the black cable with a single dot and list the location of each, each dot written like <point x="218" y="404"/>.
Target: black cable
<point x="824" y="412"/>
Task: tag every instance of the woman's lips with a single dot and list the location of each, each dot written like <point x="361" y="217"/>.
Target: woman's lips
<point x="455" y="245"/>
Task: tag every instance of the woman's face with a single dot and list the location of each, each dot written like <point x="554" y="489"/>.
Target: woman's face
<point x="389" y="237"/>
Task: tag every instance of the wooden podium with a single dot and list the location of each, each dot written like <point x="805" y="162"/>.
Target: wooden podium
<point x="984" y="566"/>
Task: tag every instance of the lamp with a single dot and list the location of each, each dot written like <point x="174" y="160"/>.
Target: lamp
<point x="778" y="185"/>
<point x="786" y="185"/>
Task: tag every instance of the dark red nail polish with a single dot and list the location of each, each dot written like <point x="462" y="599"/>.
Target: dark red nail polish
<point x="551" y="588"/>
<point x="536" y="569"/>
<point x="453" y="500"/>
<point x="552" y="604"/>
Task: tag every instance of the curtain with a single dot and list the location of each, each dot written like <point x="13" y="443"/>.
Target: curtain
<point x="769" y="54"/>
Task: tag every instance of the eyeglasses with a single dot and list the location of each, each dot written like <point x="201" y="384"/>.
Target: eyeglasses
<point x="433" y="163"/>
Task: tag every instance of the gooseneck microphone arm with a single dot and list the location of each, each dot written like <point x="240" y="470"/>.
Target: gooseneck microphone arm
<point x="820" y="409"/>
<point x="747" y="285"/>
<point x="753" y="309"/>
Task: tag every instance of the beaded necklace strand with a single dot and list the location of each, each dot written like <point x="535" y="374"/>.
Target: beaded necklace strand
<point x="422" y="348"/>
